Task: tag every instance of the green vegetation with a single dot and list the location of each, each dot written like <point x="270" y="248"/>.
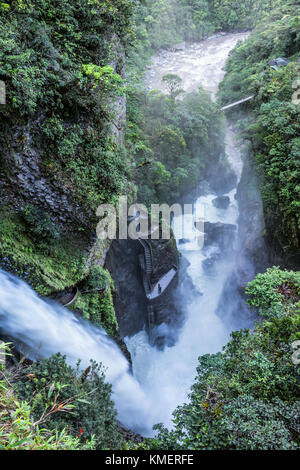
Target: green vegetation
<point x="246" y="397"/>
<point x="81" y="400"/>
<point x="39" y="225"/>
<point x="95" y="300"/>
<point x="48" y="267"/>
<point x="55" y="59"/>
<point x="272" y="122"/>
<point x="163" y="23"/>
<point x="50" y="406"/>
<point x="98" y="279"/>
<point x="62" y="63"/>
<point x="272" y="290"/>
<point x="173" y="142"/>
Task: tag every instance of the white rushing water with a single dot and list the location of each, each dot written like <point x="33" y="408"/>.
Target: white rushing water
<point x="169" y="374"/>
<point x="161" y="379"/>
<point x="44" y="328"/>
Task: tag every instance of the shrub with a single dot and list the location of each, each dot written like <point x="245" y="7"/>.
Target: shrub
<point x="39" y="224"/>
<point x="246" y="398"/>
<point x="92" y="415"/>
<point x="98" y="279"/>
<point x="270" y="291"/>
<point x="17" y="427"/>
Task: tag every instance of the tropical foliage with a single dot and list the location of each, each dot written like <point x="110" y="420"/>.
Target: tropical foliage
<point x="67" y="399"/>
<point x="246" y="397"/>
<point x="19" y="430"/>
<point x="173" y="141"/>
<point x="62" y="62"/>
<point x="271" y="121"/>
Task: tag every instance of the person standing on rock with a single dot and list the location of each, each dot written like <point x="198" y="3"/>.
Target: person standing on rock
<point x="159" y="289"/>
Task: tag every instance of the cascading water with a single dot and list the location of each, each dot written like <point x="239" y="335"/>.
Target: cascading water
<point x="169" y="374"/>
<point x="161" y="379"/>
<point x="45" y="328"/>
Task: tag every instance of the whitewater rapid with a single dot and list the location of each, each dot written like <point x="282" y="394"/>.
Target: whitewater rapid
<point x="169" y="374"/>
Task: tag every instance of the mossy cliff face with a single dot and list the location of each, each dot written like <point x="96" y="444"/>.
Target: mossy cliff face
<point x="62" y="146"/>
<point x="61" y="152"/>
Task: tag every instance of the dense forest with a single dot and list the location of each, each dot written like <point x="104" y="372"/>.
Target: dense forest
<point x="79" y="128"/>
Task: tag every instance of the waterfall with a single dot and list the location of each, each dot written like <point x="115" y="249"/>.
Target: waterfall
<point x="169" y="374"/>
<point x="45" y="328"/>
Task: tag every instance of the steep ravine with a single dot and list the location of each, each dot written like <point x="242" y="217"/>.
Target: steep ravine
<point x="211" y="284"/>
<point x="208" y="294"/>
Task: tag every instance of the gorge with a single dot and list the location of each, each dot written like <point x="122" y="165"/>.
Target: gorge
<point x="185" y="342"/>
<point x="211" y="310"/>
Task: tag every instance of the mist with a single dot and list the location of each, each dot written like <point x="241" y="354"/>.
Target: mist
<point x="208" y="292"/>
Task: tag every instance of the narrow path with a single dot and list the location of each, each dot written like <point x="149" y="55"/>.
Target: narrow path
<point x="162" y="284"/>
<point x="146" y="265"/>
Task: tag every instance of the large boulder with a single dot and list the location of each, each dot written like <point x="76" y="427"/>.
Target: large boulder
<point x="209" y="263"/>
<point x="221" y="202"/>
<point x="131" y="304"/>
<point x="222" y="235"/>
<point x="129" y="296"/>
<point x="223" y="180"/>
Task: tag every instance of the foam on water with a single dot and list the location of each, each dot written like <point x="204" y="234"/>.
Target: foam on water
<point x="168" y="374"/>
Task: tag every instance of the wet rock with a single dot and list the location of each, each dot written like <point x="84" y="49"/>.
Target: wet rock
<point x="182" y="241"/>
<point x="222" y="235"/>
<point x="252" y="243"/>
<point x="223" y="180"/>
<point x="165" y="256"/>
<point x="130" y="435"/>
<point x="129" y="296"/>
<point x="209" y="263"/>
<point x="131" y="304"/>
<point x="221" y="202"/>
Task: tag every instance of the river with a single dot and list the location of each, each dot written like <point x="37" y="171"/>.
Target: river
<point x="168" y="374"/>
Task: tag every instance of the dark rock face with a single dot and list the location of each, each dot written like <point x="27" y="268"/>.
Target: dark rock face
<point x="170" y="306"/>
<point x="165" y="256"/>
<point x="182" y="241"/>
<point x="221" y="202"/>
<point x="130" y="435"/>
<point x="23" y="180"/>
<point x="251" y="256"/>
<point x="232" y="307"/>
<point x="252" y="245"/>
<point x="26" y="179"/>
<point x="167" y="318"/>
<point x="219" y="234"/>
<point x="131" y="304"/>
<point x="129" y="298"/>
<point x="223" y="179"/>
